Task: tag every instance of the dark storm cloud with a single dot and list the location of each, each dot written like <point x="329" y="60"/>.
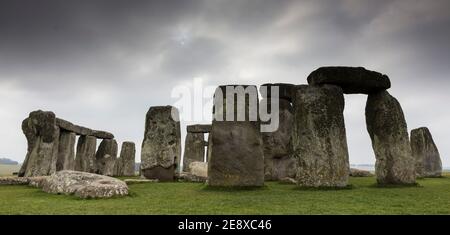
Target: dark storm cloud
<point x="53" y="36"/>
<point x="91" y="60"/>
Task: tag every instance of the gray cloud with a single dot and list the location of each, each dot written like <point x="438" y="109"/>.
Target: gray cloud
<point x="104" y="63"/>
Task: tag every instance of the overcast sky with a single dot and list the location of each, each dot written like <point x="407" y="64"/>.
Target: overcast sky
<point x="102" y="64"/>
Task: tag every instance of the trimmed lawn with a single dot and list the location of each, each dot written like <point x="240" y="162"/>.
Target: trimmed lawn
<point x="432" y="196"/>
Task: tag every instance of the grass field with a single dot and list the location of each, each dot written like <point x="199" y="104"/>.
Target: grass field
<point x="432" y="196"/>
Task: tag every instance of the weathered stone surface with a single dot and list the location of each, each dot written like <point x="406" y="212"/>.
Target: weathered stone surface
<point x="161" y="148"/>
<point x="102" y="134"/>
<point x="14" y="180"/>
<point x="319" y="140"/>
<point x="352" y="80"/>
<point x="236" y="155"/>
<point x="118" y="167"/>
<point x="278" y="161"/>
<point x="159" y="173"/>
<point x="359" y="173"/>
<point x="199" y="169"/>
<point x="42" y="137"/>
<point x="79" y="130"/>
<point x="286" y="91"/>
<point x="36" y="181"/>
<point x="85" y="156"/>
<point x="84" y="185"/>
<point x="235" y="150"/>
<point x="105" y="157"/>
<point x="426" y="154"/>
<point x="388" y="130"/>
<point x="66" y="151"/>
<point x="194" y="149"/>
<point x="125" y="164"/>
<point x="278" y="168"/>
<point x="108" y="165"/>
<point x="189" y="177"/>
<point x="277" y="143"/>
<point x="200" y="128"/>
<point x="127" y="158"/>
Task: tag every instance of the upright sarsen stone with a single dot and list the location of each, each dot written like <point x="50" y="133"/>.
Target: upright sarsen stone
<point x="235" y="150"/>
<point x="388" y="131"/>
<point x="66" y="151"/>
<point x="426" y="154"/>
<point x="105" y="157"/>
<point x="125" y="163"/>
<point x="236" y="155"/>
<point x="278" y="160"/>
<point x="161" y="148"/>
<point x="42" y="137"/>
<point x="85" y="156"/>
<point x="319" y="140"/>
<point x="194" y="149"/>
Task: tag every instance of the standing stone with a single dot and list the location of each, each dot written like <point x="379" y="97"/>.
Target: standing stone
<point x="194" y="149"/>
<point x="319" y="140"/>
<point x="235" y="151"/>
<point x="118" y="167"/>
<point x="278" y="160"/>
<point x="108" y="163"/>
<point x="42" y="137"/>
<point x="388" y="130"/>
<point x="199" y="169"/>
<point x="66" y="151"/>
<point x="286" y="91"/>
<point x="127" y="159"/>
<point x="105" y="157"/>
<point x="161" y="148"/>
<point x="285" y="167"/>
<point x="424" y="150"/>
<point x="85" y="156"/>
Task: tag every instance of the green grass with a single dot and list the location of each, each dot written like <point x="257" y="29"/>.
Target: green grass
<point x="431" y="196"/>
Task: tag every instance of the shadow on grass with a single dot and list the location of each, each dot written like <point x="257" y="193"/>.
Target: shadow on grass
<point x="376" y="185"/>
<point x="232" y="188"/>
<point x="322" y="188"/>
